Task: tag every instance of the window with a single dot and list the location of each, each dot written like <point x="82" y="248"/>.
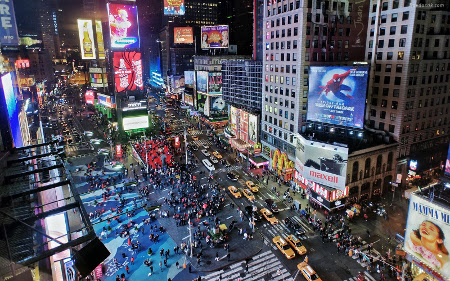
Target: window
<point x="389" y="55"/>
<point x="394" y="104"/>
<point x="392" y="30"/>
<point x="384" y="6"/>
<point x="399" y="68"/>
<point x="402" y="42"/>
<point x="383" y="19"/>
<point x="393" y="117"/>
<point x="396" y="93"/>
<point x="404" y="29"/>
<point x="388" y="67"/>
<point x="382" y="31"/>
<point x="401" y="55"/>
<point x="383" y="114"/>
<point x="397" y="80"/>
<point x="394" y="17"/>
<point x="387" y="80"/>
<point x="391" y="43"/>
<point x="405" y="16"/>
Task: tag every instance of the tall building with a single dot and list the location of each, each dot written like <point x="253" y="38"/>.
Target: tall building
<point x="258" y="22"/>
<point x="408" y="98"/>
<point x="297" y="35"/>
<point x="200" y="13"/>
<point x="49" y="19"/>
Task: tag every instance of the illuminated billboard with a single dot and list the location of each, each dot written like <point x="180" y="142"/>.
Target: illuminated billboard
<point x="12" y="108"/>
<point x="188" y="99"/>
<point x="90" y="97"/>
<point x="201" y="103"/>
<point x="233" y="118"/>
<point x="86" y="35"/>
<point x="322" y="163"/>
<point x="427" y="234"/>
<point x="100" y="42"/>
<point x="8" y="30"/>
<point x="127" y="71"/>
<point x="243" y="126"/>
<point x="253" y="127"/>
<point x="447" y="163"/>
<point x="214" y="37"/>
<point x="202" y="81"/>
<point x="106" y="100"/>
<point x="189" y="79"/>
<point x="183" y="35"/>
<point x="178" y="82"/>
<point x="135" y="122"/>
<point x="215" y="83"/>
<point x="337" y="95"/>
<point x="218" y="107"/>
<point x="174" y="7"/>
<point x="123" y="26"/>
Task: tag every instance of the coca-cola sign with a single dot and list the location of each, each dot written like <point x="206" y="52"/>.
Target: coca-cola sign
<point x="127" y="71"/>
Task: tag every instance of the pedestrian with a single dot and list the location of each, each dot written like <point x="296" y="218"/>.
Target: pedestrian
<point x="161" y="265"/>
<point x="190" y="270"/>
<point x="246" y="268"/>
<point x="228" y="257"/>
<point x="178" y="265"/>
<point x="127" y="269"/>
<point x="151" y="269"/>
<point x="132" y="260"/>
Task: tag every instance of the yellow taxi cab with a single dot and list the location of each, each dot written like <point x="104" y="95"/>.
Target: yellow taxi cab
<point x="284" y="247"/>
<point x="269" y="216"/>
<point x="296" y="244"/>
<point x="248" y="194"/>
<point x="308" y="272"/>
<point x="195" y="138"/>
<point x="252" y="186"/>
<point x="217" y="154"/>
<point x="234" y="191"/>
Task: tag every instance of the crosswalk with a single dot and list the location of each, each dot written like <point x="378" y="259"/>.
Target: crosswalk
<point x="228" y="169"/>
<point x="195" y="132"/>
<point x="76" y="148"/>
<point x="200" y="143"/>
<point x="264" y="266"/>
<point x="366" y="274"/>
<point x="281" y="229"/>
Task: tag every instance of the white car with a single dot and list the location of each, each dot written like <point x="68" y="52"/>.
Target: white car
<point x="214" y="160"/>
<point x="205" y="146"/>
<point x="205" y="152"/>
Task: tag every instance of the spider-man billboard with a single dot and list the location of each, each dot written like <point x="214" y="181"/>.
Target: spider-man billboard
<point x="337" y="95"/>
<point x="127" y="71"/>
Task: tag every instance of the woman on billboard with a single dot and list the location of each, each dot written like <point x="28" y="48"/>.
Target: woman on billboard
<point x="428" y="242"/>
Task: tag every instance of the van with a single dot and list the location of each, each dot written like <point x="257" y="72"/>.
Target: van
<point x="208" y="165"/>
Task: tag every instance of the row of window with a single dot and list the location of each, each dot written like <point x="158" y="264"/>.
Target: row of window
<point x="392" y="30"/>
<point x="367" y="167"/>
<point x="433" y="67"/>
<point x="394" y="18"/>
<point x="429" y="124"/>
<point x="281" y="45"/>
<point x="281" y="57"/>
<point x="282" y="68"/>
<point x="271" y="11"/>
<point x="334" y="18"/>
<point x="323" y="44"/>
<point x="422" y="15"/>
<point x="389" y="55"/>
<point x="284" y="33"/>
<point x="279" y="113"/>
<point x="387" y="80"/>
<point x="395" y="5"/>
<point x="281" y="79"/>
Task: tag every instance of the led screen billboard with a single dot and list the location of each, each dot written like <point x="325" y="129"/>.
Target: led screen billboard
<point x="188" y="99"/>
<point x="447" y="163"/>
<point x="8" y="30"/>
<point x="201" y="103"/>
<point x="322" y="163"/>
<point x="127" y="71"/>
<point x="189" y="79"/>
<point x="337" y="95"/>
<point x="100" y="42"/>
<point x="243" y="125"/>
<point x="183" y="35"/>
<point x="12" y="108"/>
<point x="218" y="107"/>
<point x="105" y="100"/>
<point x="135" y="122"/>
<point x="253" y="128"/>
<point x="90" y="97"/>
<point x="178" y="82"/>
<point x="427" y="234"/>
<point x="233" y="118"/>
<point x="174" y="7"/>
<point x="202" y="81"/>
<point x="214" y="37"/>
<point x="123" y="26"/>
<point x="86" y="35"/>
<point x="215" y="83"/>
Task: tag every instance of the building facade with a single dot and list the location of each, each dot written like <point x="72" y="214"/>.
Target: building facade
<point x="407" y="46"/>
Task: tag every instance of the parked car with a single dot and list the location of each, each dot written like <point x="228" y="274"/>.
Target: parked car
<point x="232" y="176"/>
<point x="271" y="205"/>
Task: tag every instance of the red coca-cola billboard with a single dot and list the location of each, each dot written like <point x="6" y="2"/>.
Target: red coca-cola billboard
<point x="128" y="71"/>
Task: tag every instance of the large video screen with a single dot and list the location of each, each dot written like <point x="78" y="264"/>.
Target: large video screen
<point x="243" y="124"/>
<point x="174" y="7"/>
<point x="123" y="26"/>
<point x="215" y="83"/>
<point x="447" y="163"/>
<point x="322" y="163"/>
<point x="337" y="95"/>
<point x="189" y="79"/>
<point x="427" y="234"/>
<point x="90" y="97"/>
<point x="253" y="128"/>
<point x="86" y="35"/>
<point x="201" y="103"/>
<point x="233" y="118"/>
<point x="202" y="81"/>
<point x="100" y="42"/>
<point x="135" y="122"/>
<point x="12" y="108"/>
<point x="127" y="71"/>
<point x="178" y="82"/>
<point x="218" y="107"/>
<point x="183" y="35"/>
<point x="215" y="37"/>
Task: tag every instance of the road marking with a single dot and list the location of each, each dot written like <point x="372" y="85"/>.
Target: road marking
<point x="185" y="237"/>
<point x="229" y="217"/>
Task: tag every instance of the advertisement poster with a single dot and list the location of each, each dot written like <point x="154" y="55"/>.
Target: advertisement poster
<point x="427" y="236"/>
<point x="215" y="83"/>
<point x="100" y="42"/>
<point x="214" y="37"/>
<point x="178" y="82"/>
<point x="137" y="122"/>
<point x="189" y="79"/>
<point x="233" y="119"/>
<point x="106" y="100"/>
<point x="90" y="97"/>
<point x="202" y="81"/>
<point x="447" y="163"/>
<point x="201" y="101"/>
<point x="337" y="95"/>
<point x="174" y="7"/>
<point x="188" y="99"/>
<point x="207" y="106"/>
<point x="218" y="107"/>
<point x="127" y="71"/>
<point x="12" y="108"/>
<point x="8" y="31"/>
<point x="123" y="26"/>
<point x="183" y="35"/>
<point x="322" y="163"/>
<point x="252" y="128"/>
<point x="243" y="125"/>
<point x="86" y="35"/>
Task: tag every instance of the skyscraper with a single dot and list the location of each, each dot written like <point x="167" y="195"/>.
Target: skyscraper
<point x="408" y="99"/>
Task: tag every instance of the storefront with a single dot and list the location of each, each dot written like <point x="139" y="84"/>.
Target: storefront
<point x="282" y="166"/>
